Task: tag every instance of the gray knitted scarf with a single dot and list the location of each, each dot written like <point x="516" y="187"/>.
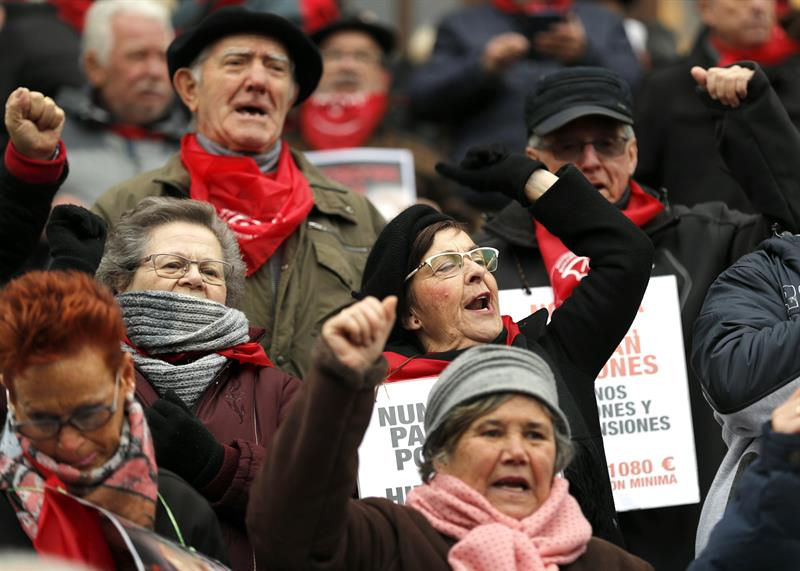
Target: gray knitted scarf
<point x="163" y="323"/>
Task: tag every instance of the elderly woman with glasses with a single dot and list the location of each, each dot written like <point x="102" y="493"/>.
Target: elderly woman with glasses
<point x="73" y="424"/>
<point x="214" y="398"/>
<point x="492" y="499"/>
<point x="448" y="297"/>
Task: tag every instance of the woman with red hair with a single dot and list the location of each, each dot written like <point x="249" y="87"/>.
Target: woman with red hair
<point x="74" y="425"/>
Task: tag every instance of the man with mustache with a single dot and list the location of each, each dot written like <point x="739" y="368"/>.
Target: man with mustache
<point x="124" y="121"/>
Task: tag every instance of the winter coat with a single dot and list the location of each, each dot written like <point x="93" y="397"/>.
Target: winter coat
<point x="587" y="328"/>
<point x="760" y="529"/>
<point x="194" y="521"/>
<point x="322" y="260"/>
<point x="750" y="318"/>
<point x="480" y="107"/>
<point x="676" y="134"/>
<point x="242" y="407"/>
<point x="694" y="244"/>
<point x="101" y="157"/>
<point x="301" y="515"/>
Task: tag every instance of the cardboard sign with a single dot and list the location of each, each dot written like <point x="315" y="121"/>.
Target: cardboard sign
<point x="643" y="400"/>
<point x="391" y="452"/>
<point x="386" y="176"/>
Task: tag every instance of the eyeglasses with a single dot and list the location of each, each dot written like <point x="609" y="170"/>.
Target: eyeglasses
<point x="363" y="57"/>
<point x="608" y="148"/>
<point x="449" y="264"/>
<point x="173" y="266"/>
<point x="84" y="419"/>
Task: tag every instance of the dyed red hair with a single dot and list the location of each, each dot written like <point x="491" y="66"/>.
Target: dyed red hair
<point x="48" y="315"/>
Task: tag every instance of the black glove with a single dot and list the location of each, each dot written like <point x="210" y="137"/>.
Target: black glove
<point x="493" y="169"/>
<point x="76" y="238"/>
<point x="183" y="444"/>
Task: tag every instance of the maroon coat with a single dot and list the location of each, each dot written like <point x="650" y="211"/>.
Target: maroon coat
<point x="242" y="407"/>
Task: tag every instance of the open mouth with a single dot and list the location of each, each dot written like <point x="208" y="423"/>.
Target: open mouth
<point x="479" y="303"/>
<point x="512" y="483"/>
<point x="251" y="111"/>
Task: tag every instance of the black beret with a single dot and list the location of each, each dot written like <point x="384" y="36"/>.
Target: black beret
<point x="232" y="20"/>
<point x="365" y="22"/>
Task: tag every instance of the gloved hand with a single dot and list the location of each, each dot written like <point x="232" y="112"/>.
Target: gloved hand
<point x="493" y="169"/>
<point x="183" y="444"/>
<point x="76" y="238"/>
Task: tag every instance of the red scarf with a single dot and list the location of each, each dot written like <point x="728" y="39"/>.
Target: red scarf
<point x="403" y="368"/>
<point x="532" y="6"/>
<point x="250" y="352"/>
<point x="261" y="209"/>
<point x="334" y="121"/>
<point x="136" y="133"/>
<point x="772" y="52"/>
<point x="566" y="269"/>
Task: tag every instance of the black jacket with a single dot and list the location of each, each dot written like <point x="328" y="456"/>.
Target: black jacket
<point x="193" y="517"/>
<point x="675" y="132"/>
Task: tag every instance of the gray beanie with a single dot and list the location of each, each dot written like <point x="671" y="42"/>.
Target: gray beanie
<point x="490" y="369"/>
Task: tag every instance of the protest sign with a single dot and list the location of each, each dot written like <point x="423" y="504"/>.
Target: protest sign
<point x="643" y="400"/>
<point x="391" y="452"/>
<point x="386" y="176"/>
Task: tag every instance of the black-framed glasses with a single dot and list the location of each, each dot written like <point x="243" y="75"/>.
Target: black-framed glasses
<point x="173" y="266"/>
<point x="571" y="151"/>
<point x="449" y="264"/>
<point x="85" y="419"/>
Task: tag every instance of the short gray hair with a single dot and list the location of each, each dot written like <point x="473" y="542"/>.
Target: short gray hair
<point x="441" y="443"/>
<point x="537" y="142"/>
<point x="97" y="35"/>
<point x="127" y="240"/>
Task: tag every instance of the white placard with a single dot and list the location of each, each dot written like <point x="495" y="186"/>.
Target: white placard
<point x="643" y="400"/>
<point x="391" y="452"/>
<point x="386" y="176"/>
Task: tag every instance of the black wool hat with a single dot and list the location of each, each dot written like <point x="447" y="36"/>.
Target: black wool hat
<point x="568" y="94"/>
<point x="365" y="22"/>
<point x="388" y="263"/>
<point x="232" y="20"/>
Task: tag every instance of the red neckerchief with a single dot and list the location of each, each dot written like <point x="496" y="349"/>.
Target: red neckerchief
<point x="333" y="121"/>
<point x="135" y="132"/>
<point x="318" y="13"/>
<point x="403" y="367"/>
<point x="250" y="352"/>
<point x="72" y="12"/>
<point x="532" y="6"/>
<point x="772" y="52"/>
<point x="262" y="210"/>
<point x="566" y="269"/>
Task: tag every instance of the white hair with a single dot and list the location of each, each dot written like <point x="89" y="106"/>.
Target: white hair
<point x="625" y="130"/>
<point x="97" y="26"/>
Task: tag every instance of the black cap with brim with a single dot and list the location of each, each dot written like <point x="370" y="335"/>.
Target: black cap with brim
<point x="568" y="115"/>
<point x="233" y="20"/>
<point x="383" y="35"/>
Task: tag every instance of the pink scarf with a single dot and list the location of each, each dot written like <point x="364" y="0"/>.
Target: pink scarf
<point x="555" y="534"/>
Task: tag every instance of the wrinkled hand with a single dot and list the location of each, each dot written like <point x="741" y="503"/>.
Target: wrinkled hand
<point x="503" y="50"/>
<point x="183" y="444"/>
<point x="34" y="123"/>
<point x="564" y="41"/>
<point x="786" y="418"/>
<point x="493" y="169"/>
<point x="358" y="334"/>
<point x="728" y="85"/>
<point x="76" y="238"/>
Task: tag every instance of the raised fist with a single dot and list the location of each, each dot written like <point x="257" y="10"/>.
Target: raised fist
<point x="34" y="123"/>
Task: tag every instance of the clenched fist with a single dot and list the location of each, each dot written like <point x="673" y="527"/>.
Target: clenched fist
<point x="34" y="123"/>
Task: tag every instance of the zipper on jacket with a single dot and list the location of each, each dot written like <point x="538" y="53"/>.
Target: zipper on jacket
<point x="322" y="228"/>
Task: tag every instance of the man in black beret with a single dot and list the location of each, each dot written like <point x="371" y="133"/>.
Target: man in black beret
<point x="584" y="116"/>
<point x="304" y="238"/>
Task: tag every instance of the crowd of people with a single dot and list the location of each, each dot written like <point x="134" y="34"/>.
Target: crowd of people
<point x="195" y="319"/>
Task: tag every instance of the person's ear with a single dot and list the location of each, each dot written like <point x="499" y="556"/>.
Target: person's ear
<point x="186" y="87"/>
<point x="127" y="376"/>
<point x="295" y="93"/>
<point x="533" y="153"/>
<point x="633" y="156"/>
<point x="96" y="73"/>
<point x="411" y="322"/>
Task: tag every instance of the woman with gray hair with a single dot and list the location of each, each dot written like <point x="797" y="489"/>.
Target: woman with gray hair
<point x="492" y="498"/>
<point x="214" y="398"/>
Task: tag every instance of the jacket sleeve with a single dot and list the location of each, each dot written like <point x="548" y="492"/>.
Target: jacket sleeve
<point x="301" y="515"/>
<point x="761" y="147"/>
<point x="741" y="336"/>
<point x="759" y="529"/>
<point x="593" y="320"/>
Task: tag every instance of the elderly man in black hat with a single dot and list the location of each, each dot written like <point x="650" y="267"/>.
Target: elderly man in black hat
<point x="584" y="116"/>
<point x="304" y="238"/>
